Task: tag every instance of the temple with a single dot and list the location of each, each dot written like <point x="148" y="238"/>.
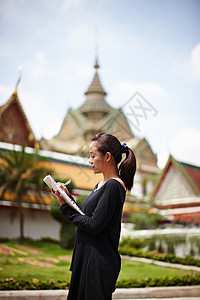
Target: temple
<point x="79" y="126"/>
<point x="66" y="153"/>
<point x="96" y="115"/>
<point x="177" y="193"/>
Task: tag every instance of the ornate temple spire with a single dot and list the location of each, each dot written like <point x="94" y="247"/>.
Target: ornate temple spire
<point x="95" y="94"/>
<point x="95" y="86"/>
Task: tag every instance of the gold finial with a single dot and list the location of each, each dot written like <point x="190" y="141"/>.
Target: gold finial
<point x="96" y="66"/>
<point x="19" y="79"/>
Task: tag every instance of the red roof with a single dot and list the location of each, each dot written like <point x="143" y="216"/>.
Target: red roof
<point x="194" y="173"/>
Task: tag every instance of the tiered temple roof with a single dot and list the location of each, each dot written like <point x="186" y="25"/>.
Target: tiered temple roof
<point x="93" y="116"/>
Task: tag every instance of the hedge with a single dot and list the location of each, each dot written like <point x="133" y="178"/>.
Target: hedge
<point x="36" y="284"/>
<point x="32" y="284"/>
<point x="171" y="258"/>
<point x="185" y="280"/>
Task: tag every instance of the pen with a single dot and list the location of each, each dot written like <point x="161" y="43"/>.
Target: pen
<point x="68" y="182"/>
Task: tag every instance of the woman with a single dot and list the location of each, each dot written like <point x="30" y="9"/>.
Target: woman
<point x="96" y="261"/>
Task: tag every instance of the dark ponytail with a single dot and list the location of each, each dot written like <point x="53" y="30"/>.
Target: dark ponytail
<point x="127" y="169"/>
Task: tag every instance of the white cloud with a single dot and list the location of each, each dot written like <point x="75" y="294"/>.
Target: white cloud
<point x="6" y="48"/>
<point x="67" y="4"/>
<point x="162" y="156"/>
<point x="44" y="119"/>
<point x="190" y="66"/>
<point x="185" y="145"/>
<point x="5" y="93"/>
<point x="38" y="68"/>
<point x="195" y="61"/>
<point x="122" y="91"/>
<point x="79" y="68"/>
<point x="80" y="35"/>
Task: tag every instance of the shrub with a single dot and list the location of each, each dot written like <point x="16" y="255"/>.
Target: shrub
<point x="130" y="251"/>
<point x="186" y="280"/>
<point x="36" y="284"/>
<point x="68" y="230"/>
<point x="48" y="240"/>
<point x="144" y="220"/>
<point x="135" y="243"/>
<point x="4" y="239"/>
<point x="32" y="284"/>
<point x="67" y="235"/>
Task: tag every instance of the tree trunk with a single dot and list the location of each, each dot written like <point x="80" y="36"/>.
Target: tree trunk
<point x="21" y="220"/>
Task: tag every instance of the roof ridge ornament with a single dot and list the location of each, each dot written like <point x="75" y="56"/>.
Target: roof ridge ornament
<point x="19" y="79"/>
<point x="96" y="65"/>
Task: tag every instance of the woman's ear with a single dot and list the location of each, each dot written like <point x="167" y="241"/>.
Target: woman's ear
<point x="108" y="156"/>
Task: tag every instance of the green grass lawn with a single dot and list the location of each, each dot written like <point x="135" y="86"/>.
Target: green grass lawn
<point x="13" y="263"/>
<point x="139" y="270"/>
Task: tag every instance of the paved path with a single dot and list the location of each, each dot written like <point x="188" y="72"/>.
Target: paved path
<point x="172" y="292"/>
<point x="162" y="293"/>
<point x="194" y="298"/>
<point x="161" y="263"/>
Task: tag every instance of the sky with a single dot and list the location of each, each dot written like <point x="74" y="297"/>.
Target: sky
<point x="148" y="47"/>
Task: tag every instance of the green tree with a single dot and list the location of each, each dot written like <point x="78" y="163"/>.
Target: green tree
<point x="21" y="175"/>
<point x="67" y="230"/>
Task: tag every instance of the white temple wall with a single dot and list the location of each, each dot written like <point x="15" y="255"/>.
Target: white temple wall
<point x="37" y="224"/>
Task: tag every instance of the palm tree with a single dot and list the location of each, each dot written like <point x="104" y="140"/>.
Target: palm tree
<point x="21" y="176"/>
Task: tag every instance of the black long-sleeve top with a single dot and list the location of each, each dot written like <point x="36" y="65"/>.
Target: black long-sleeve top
<point x="96" y="261"/>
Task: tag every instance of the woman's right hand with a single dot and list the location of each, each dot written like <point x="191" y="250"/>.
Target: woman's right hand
<point x="57" y="195"/>
<point x="63" y="187"/>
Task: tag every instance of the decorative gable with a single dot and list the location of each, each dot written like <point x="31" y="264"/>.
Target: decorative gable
<point x="174" y="185"/>
<point x="177" y="194"/>
<point x="14" y="125"/>
<point x="178" y="180"/>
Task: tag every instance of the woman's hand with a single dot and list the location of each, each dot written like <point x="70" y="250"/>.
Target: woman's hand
<point x="63" y="187"/>
<point x="58" y="196"/>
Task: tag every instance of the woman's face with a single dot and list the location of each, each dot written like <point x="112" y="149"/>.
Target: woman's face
<point x="97" y="159"/>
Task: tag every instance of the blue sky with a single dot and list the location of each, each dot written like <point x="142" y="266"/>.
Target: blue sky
<point x="148" y="46"/>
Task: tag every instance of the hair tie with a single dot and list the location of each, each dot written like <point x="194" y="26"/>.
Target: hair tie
<point x="124" y="148"/>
